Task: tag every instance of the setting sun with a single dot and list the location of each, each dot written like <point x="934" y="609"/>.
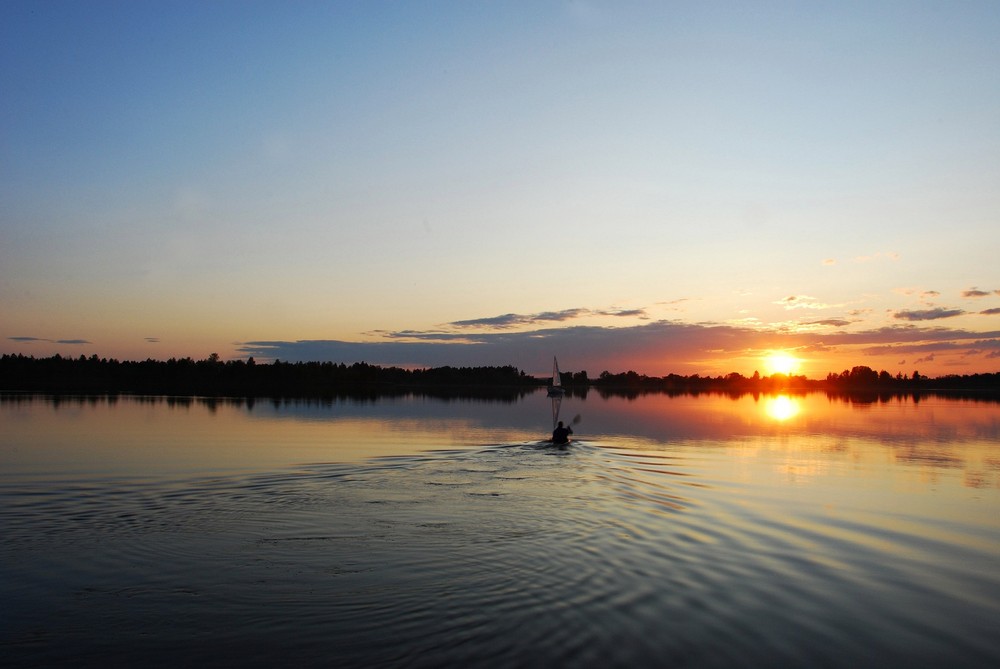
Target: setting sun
<point x="781" y="363"/>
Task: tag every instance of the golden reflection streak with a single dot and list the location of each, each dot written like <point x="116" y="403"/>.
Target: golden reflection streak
<point x="782" y="407"/>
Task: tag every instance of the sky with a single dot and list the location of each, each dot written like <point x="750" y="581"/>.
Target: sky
<point x="666" y="187"/>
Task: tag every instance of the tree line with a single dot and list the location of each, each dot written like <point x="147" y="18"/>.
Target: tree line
<point x="857" y="378"/>
<point x="214" y="377"/>
<point x="239" y="378"/>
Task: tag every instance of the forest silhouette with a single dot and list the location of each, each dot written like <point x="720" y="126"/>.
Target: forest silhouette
<point x="213" y="377"/>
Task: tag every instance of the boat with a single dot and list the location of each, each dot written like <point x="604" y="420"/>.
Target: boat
<point x="556" y="389"/>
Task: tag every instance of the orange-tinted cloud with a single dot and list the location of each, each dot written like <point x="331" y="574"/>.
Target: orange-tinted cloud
<point x="834" y="322"/>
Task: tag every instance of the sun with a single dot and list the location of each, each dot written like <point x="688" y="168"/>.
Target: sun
<point x="781" y="362"/>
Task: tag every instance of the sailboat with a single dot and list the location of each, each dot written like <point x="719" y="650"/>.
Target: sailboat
<point x="556" y="389"/>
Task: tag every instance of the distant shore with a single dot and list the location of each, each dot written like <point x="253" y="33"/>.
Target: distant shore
<point x="246" y="378"/>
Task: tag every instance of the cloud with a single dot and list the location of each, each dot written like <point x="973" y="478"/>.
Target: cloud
<point x="945" y="346"/>
<point x="990" y="312"/>
<point x="673" y="305"/>
<point x="50" y="341"/>
<point x="506" y="321"/>
<point x="975" y="292"/>
<point x="896" y="349"/>
<point x="660" y="345"/>
<point x="152" y="340"/>
<point x="829" y="261"/>
<point x="514" y="320"/>
<point x="429" y="335"/>
<point x="835" y="322"/>
<point x="657" y="348"/>
<point x="624" y="313"/>
<point x="801" y="302"/>
<point x="928" y="314"/>
<point x="923" y="294"/>
<point x="814" y="348"/>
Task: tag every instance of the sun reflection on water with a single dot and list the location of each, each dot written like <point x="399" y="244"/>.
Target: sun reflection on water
<point x="781" y="408"/>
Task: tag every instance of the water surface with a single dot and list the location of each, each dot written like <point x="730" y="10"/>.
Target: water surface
<point x="703" y="531"/>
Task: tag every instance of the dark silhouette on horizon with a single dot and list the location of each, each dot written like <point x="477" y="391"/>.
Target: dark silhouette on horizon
<point x="213" y="377"/>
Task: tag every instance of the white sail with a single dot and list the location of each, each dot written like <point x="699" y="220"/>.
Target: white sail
<point x="556" y="388"/>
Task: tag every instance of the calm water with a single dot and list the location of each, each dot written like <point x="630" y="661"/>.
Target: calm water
<point x="689" y="531"/>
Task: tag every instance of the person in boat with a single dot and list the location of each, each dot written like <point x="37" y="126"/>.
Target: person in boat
<point x="560" y="435"/>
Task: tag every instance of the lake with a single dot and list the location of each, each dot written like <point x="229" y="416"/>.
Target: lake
<point x="675" y="531"/>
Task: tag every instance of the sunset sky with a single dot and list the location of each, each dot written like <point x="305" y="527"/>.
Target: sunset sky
<point x="667" y="187"/>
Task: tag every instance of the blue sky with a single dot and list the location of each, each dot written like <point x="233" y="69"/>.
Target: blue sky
<point x="673" y="187"/>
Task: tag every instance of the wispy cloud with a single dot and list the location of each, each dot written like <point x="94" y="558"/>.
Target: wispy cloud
<point x="152" y="340"/>
<point x="506" y="321"/>
<point x="976" y="292"/>
<point x="928" y="314"/>
<point x="624" y="313"/>
<point x="923" y="294"/>
<point x="802" y="302"/>
<point x="514" y="320"/>
<point x="673" y="304"/>
<point x="50" y="341"/>
<point x="835" y="322"/>
<point x="990" y="312"/>
<point x="940" y="346"/>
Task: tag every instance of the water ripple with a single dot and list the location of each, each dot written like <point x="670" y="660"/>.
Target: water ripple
<point x="510" y="555"/>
